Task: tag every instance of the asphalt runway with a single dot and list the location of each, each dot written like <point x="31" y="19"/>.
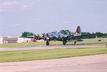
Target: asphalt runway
<point x="95" y="63"/>
<point x="52" y="47"/>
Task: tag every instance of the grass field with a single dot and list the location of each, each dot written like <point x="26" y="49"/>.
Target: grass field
<point x="29" y="55"/>
<point x="30" y="44"/>
<point x="15" y="45"/>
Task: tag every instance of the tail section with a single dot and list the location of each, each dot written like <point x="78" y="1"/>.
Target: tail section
<point x="78" y="31"/>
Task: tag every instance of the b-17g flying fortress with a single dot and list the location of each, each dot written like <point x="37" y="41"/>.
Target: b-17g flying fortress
<point x="46" y="37"/>
<point x="53" y="36"/>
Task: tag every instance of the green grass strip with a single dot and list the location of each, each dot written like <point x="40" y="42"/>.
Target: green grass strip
<point x="43" y="54"/>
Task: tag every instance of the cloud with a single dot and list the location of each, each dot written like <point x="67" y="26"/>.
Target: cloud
<point x="14" y="6"/>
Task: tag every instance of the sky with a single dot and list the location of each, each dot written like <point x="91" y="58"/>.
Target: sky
<point x="39" y="16"/>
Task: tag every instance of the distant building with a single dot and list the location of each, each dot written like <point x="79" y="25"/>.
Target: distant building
<point x="13" y="39"/>
<point x="21" y="40"/>
<point x="4" y="40"/>
<point x="17" y="39"/>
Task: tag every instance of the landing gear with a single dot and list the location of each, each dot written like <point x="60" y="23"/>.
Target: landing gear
<point x="47" y="42"/>
<point x="75" y="42"/>
<point x="64" y="41"/>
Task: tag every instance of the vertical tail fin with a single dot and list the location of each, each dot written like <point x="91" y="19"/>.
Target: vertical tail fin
<point x="78" y="31"/>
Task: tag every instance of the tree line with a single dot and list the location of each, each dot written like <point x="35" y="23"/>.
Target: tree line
<point x="84" y="35"/>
